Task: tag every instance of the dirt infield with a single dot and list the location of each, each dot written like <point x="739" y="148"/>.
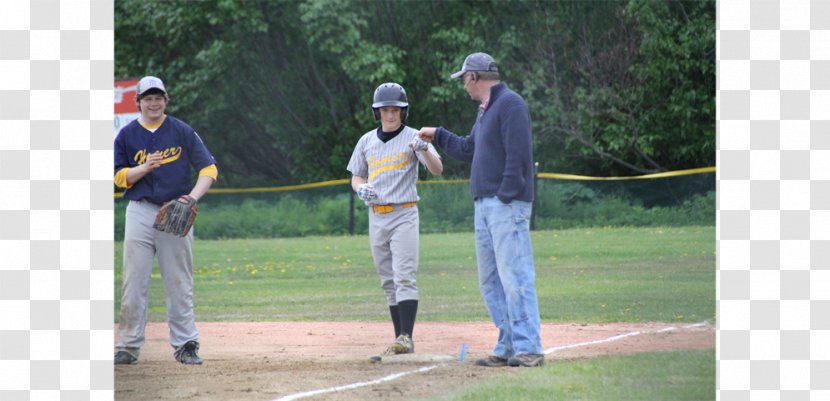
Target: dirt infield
<point x="269" y="361"/>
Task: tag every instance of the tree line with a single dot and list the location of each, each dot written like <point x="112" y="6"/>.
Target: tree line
<point x="280" y="90"/>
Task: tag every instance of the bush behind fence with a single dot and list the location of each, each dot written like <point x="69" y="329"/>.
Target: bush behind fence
<point x="677" y="201"/>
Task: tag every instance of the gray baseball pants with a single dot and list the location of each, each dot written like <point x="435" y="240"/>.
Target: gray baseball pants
<point x="141" y="244"/>
<point x="393" y="238"/>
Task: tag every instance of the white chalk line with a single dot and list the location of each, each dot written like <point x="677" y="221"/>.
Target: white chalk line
<point x="607" y="340"/>
<point x="689" y="326"/>
<point x="355" y="385"/>
<point x="428" y="368"/>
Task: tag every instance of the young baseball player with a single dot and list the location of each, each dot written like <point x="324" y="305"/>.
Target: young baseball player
<point x="154" y="160"/>
<point x="384" y="167"/>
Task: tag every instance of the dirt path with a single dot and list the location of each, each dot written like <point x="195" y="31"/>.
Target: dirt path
<point x="268" y="361"/>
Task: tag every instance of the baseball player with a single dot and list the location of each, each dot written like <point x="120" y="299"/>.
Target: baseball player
<point x="154" y="158"/>
<point x="384" y="167"/>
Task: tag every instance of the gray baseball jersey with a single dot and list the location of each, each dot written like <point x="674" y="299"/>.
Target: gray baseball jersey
<point x="390" y="167"/>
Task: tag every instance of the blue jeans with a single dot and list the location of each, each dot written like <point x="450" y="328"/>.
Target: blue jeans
<point x="506" y="274"/>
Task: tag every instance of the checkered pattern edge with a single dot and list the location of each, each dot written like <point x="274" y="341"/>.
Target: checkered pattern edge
<point x="773" y="199"/>
<point x="773" y="221"/>
<point x="56" y="207"/>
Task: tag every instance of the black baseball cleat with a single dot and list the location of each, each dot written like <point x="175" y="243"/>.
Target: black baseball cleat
<point x="125" y="358"/>
<point x="188" y="353"/>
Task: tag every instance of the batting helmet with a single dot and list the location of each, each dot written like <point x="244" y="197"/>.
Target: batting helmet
<point x="390" y="94"/>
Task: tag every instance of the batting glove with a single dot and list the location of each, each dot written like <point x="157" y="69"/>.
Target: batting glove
<point x="366" y="192"/>
<point x="418" y="144"/>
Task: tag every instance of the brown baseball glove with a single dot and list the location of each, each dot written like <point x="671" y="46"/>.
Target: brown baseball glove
<point x="177" y="216"/>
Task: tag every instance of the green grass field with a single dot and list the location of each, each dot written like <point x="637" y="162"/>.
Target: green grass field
<point x="583" y="275"/>
<point x="664" y="376"/>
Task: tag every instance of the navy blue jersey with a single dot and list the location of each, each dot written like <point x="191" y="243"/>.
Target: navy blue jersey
<point x="182" y="151"/>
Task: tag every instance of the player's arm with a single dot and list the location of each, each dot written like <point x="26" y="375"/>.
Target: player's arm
<point x="432" y="162"/>
<point x="357" y="181"/>
<point x="207" y="176"/>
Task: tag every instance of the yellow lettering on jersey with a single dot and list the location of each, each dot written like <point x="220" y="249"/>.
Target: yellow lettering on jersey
<point x="140" y="156"/>
<point x="377" y="166"/>
<point x="167" y="156"/>
<point x="171" y="155"/>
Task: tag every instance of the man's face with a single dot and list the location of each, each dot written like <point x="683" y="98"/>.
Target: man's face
<point x="390" y="116"/>
<point x="152" y="106"/>
<point x="470" y="85"/>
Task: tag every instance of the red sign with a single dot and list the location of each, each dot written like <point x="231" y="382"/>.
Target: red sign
<point x="125" y="96"/>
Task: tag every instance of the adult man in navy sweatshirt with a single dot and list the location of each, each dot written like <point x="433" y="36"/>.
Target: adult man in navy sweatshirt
<point x="501" y="183"/>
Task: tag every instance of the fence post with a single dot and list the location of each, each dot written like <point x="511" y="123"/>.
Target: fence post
<point x="351" y="211"/>
<point x="535" y="196"/>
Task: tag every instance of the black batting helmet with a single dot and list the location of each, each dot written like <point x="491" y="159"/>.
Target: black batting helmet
<point x="390" y="94"/>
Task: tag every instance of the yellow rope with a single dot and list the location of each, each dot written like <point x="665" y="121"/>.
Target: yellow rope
<point x="555" y="176"/>
<point x="664" y="174"/>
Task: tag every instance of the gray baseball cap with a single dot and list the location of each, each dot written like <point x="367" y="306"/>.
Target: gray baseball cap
<point x="147" y="83"/>
<point x="477" y="62"/>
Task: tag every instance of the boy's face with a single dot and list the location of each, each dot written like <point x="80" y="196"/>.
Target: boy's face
<point x="152" y="106"/>
<point x="390" y="116"/>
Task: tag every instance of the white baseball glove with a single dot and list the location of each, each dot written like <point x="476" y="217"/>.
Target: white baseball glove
<point x="418" y="144"/>
<point x="366" y="192"/>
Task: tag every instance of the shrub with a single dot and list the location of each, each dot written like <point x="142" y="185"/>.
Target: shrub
<point x="443" y="208"/>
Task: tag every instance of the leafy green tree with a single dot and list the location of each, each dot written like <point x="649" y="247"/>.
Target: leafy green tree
<point x="281" y="89"/>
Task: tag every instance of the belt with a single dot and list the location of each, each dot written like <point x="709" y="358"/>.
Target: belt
<point x="382" y="209"/>
<point x="145" y="200"/>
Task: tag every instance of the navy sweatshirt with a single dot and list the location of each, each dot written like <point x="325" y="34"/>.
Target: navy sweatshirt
<point x="499" y="147"/>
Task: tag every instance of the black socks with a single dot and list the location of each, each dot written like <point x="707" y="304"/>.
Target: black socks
<point x="396" y="319"/>
<point x="407" y="310"/>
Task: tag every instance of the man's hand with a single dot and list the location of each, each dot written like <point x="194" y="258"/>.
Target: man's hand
<point x="427" y="134"/>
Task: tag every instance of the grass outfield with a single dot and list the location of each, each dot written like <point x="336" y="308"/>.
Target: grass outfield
<point x="582" y="275"/>
<point x="665" y="376"/>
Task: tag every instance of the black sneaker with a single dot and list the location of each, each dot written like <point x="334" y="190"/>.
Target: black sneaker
<point x="188" y="353"/>
<point x="125" y="358"/>
<point x="527" y="360"/>
<point x="491" y="362"/>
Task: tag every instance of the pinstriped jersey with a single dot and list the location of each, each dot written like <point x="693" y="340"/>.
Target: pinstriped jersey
<point x="391" y="167"/>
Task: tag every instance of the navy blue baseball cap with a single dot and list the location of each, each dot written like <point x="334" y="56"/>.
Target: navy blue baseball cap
<point x="477" y="62"/>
